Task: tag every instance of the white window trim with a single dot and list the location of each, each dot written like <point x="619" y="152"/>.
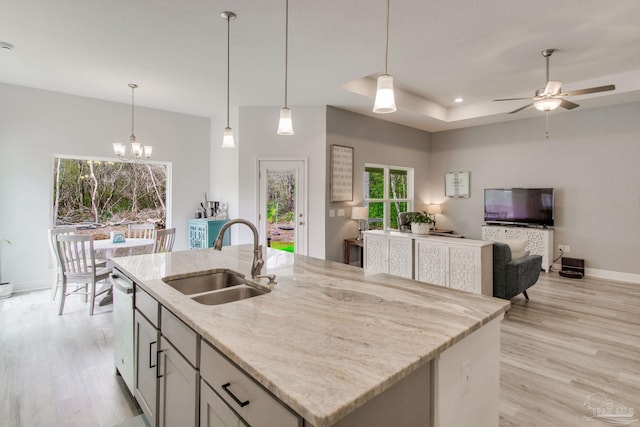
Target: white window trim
<point x="386" y="201"/>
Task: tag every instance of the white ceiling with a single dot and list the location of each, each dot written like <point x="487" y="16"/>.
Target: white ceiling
<point x="439" y="50"/>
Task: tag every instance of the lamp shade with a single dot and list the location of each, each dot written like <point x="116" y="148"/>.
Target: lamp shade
<point x="360" y="213"/>
<point x="385" y="99"/>
<point x="547" y="104"/>
<point x="434" y="209"/>
<point x="285" y="125"/>
<point x="227" y="139"/>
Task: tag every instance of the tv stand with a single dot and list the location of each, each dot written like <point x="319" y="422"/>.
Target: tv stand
<point x="539" y="240"/>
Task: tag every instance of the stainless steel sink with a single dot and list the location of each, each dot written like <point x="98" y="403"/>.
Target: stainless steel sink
<point x="211" y="281"/>
<point x="229" y="295"/>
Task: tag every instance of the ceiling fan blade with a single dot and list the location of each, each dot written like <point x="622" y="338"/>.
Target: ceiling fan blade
<point x="510" y="99"/>
<point x="568" y="104"/>
<point x="553" y="87"/>
<point x="590" y="90"/>
<point x="521" y="108"/>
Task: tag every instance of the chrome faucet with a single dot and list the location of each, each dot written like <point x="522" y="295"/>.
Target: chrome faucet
<point x="256" y="265"/>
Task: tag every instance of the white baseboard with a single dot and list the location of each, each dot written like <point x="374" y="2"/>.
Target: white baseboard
<point x="607" y="274"/>
<point x="31" y="286"/>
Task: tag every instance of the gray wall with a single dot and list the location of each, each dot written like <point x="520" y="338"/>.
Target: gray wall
<point x="591" y="159"/>
<point x="374" y="141"/>
<point x="36" y="124"/>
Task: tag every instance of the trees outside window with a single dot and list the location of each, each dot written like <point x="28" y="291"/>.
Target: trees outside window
<point x="101" y="196"/>
<point x="388" y="190"/>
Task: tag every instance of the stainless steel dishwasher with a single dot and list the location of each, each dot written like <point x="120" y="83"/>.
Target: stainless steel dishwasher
<point x="123" y="327"/>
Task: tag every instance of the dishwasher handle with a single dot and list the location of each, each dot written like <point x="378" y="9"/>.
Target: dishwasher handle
<point x="121" y="283"/>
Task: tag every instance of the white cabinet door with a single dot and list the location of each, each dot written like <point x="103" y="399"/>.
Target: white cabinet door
<point x="375" y="259"/>
<point x="431" y="262"/>
<point x="146" y="383"/>
<point x="178" y="383"/>
<point x="400" y="257"/>
<point x="214" y="412"/>
<point x="464" y="269"/>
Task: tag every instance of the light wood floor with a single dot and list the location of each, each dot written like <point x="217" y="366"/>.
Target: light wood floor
<point x="572" y="339"/>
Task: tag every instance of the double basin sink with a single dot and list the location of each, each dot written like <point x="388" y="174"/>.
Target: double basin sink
<point x="216" y="287"/>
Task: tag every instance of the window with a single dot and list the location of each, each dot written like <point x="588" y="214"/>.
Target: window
<point x="100" y="196"/>
<point x="388" y="190"/>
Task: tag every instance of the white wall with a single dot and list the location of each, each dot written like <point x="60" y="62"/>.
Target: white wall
<point x="257" y="138"/>
<point x="36" y="124"/>
<point x="591" y="159"/>
<point x="374" y="141"/>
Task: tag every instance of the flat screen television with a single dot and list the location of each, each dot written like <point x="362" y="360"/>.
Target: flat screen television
<point x="519" y="206"/>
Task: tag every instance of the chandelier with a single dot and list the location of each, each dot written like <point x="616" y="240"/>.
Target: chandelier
<point x="137" y="151"/>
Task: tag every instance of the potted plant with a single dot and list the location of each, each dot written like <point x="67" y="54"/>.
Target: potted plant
<point x="6" y="288"/>
<point x="421" y="222"/>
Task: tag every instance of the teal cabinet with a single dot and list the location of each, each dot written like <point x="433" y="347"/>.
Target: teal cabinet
<point x="203" y="232"/>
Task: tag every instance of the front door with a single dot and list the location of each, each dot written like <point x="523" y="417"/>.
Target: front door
<point x="282" y="205"/>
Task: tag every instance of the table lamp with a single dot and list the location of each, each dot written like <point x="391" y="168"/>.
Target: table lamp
<point x="359" y="213"/>
<point x="432" y="210"/>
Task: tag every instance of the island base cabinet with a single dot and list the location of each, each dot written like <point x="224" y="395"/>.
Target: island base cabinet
<point x="178" y="386"/>
<point x="466" y="380"/>
<point x="146" y="383"/>
<point x="214" y="412"/>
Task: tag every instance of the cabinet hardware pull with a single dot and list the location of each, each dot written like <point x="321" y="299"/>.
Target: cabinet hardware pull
<point x="225" y="387"/>
<point x="158" y="364"/>
<point x="150" y="352"/>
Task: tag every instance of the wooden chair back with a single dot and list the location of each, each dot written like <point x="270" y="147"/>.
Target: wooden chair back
<point x="141" y="231"/>
<point x="53" y="234"/>
<point x="164" y="240"/>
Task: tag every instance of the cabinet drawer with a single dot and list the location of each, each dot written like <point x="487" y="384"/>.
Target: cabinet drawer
<point x="183" y="338"/>
<point x="214" y="412"/>
<point x="148" y="306"/>
<point x="254" y="404"/>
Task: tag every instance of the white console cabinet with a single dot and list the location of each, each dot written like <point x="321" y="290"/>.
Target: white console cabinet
<point x="386" y="253"/>
<point x="539" y="240"/>
<point x="462" y="264"/>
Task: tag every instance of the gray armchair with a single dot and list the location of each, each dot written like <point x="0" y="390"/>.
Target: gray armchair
<point x="513" y="276"/>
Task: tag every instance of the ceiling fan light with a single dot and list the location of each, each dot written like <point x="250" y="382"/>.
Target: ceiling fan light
<point x="227" y="139"/>
<point x="547" y="104"/>
<point x="285" y="125"/>
<point x="385" y="99"/>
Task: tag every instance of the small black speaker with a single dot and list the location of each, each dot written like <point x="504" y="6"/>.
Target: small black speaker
<point x="572" y="268"/>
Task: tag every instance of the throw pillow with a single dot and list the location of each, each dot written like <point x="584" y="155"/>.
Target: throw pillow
<point x="517" y="246"/>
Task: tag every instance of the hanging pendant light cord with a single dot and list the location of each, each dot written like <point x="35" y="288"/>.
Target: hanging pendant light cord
<point x="228" y="63"/>
<point x="386" y="49"/>
<point x="286" y="53"/>
<point x="133" y="88"/>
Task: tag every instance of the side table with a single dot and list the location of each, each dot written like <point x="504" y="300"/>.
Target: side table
<point x="348" y="243"/>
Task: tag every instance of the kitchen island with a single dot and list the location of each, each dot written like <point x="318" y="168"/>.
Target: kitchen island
<point x="339" y="346"/>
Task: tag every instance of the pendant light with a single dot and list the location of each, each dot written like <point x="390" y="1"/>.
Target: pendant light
<point x="385" y="99"/>
<point x="285" y="125"/>
<point x="137" y="151"/>
<point x="227" y="139"/>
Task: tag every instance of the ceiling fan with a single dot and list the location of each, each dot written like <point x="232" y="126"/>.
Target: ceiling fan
<point x="551" y="97"/>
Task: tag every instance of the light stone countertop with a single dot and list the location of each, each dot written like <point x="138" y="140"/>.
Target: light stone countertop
<point x="328" y="337"/>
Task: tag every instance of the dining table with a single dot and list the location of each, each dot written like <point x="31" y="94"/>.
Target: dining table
<point x="107" y="249"/>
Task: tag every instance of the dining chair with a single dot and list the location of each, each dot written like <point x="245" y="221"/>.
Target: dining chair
<point x="57" y="268"/>
<point x="79" y="267"/>
<point x="164" y="240"/>
<point x="141" y="231"/>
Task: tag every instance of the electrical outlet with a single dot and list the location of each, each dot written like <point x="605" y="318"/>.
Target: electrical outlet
<point x="567" y="249"/>
<point x="561" y="248"/>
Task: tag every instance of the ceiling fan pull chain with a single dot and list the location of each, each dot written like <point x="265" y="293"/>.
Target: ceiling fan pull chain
<point x="547" y="132"/>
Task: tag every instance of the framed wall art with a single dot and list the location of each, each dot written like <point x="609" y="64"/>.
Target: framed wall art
<point x="341" y="173"/>
<point x="456" y="184"/>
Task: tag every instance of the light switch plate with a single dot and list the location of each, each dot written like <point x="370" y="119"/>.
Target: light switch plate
<point x="340" y="212"/>
<point x="332" y="213"/>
